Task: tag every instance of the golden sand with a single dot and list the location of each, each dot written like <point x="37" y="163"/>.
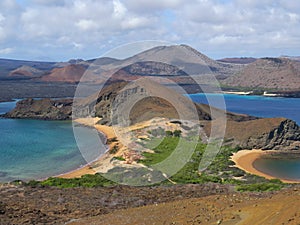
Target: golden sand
<point x="102" y="163"/>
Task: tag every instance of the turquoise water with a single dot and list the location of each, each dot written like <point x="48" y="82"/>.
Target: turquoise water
<point x="35" y="149"/>
<point x="262" y="107"/>
<point x="288" y="169"/>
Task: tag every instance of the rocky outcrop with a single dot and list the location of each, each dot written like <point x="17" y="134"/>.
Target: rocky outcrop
<point x="266" y="133"/>
<point x="45" y="109"/>
<point x="286" y="136"/>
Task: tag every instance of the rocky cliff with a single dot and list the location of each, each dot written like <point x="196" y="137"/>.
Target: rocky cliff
<point x="266" y="133"/>
<point x="45" y="109"/>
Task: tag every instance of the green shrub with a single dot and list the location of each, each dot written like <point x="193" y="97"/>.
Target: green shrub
<point x="88" y="180"/>
<point x="114" y="149"/>
<point x="259" y="187"/>
<point x="161" y="152"/>
<point x="119" y="158"/>
<point x="177" y="133"/>
<point x="169" y="133"/>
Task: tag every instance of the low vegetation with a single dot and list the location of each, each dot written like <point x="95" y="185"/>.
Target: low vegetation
<point x="270" y="186"/>
<point x="220" y="171"/>
<point x="88" y="180"/>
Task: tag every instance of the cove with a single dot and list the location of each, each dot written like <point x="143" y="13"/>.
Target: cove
<point x="36" y="149"/>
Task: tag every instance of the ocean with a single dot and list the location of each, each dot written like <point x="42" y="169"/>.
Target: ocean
<point x="259" y="106"/>
<point x="35" y="149"/>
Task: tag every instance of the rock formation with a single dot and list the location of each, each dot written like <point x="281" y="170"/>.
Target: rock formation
<point x="264" y="133"/>
<point x="45" y="109"/>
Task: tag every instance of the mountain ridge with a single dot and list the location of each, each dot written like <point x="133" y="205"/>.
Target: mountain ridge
<point x="277" y="74"/>
<point x="268" y="73"/>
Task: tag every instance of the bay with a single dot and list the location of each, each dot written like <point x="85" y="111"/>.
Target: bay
<point x="35" y="149"/>
<point x="262" y="107"/>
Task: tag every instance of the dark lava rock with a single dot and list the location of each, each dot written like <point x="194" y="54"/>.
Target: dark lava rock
<point x="46" y="109"/>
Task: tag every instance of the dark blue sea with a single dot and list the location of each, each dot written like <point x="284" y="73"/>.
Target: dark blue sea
<point x="254" y="105"/>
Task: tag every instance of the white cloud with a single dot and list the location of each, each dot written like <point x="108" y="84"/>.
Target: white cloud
<point x="146" y="6"/>
<point x="77" y="45"/>
<point x="6" y="51"/>
<point x="86" y="24"/>
<point x="2" y="18"/>
<point x="83" y="27"/>
<point x="119" y="9"/>
<point x="135" y="23"/>
<point x="48" y="2"/>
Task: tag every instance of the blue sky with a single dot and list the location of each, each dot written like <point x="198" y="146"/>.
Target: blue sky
<point x="59" y="30"/>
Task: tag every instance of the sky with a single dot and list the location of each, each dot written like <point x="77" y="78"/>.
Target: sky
<point x="59" y="30"/>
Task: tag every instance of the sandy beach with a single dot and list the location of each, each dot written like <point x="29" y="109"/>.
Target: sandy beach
<point x="103" y="162"/>
<point x="244" y="160"/>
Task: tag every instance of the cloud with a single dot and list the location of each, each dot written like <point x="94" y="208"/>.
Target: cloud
<point x="87" y="28"/>
<point x="262" y="26"/>
<point x="6" y="51"/>
<point x="86" y="24"/>
<point x="146" y="6"/>
<point x="48" y="2"/>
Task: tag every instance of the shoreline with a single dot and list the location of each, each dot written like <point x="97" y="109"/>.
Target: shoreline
<point x="264" y="94"/>
<point x="108" y="132"/>
<point x="244" y="160"/>
<point x="238" y="92"/>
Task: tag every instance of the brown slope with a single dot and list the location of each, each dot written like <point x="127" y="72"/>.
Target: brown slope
<point x="182" y="57"/>
<point x="269" y="73"/>
<point x="177" y="62"/>
<point x="71" y="73"/>
<point x="26" y="72"/>
<point x="229" y="209"/>
<point x="188" y="59"/>
<point x="158" y="101"/>
<point x="161" y="72"/>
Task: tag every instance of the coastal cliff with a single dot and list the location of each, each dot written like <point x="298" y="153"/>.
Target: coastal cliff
<point x="265" y="133"/>
<point x="45" y="109"/>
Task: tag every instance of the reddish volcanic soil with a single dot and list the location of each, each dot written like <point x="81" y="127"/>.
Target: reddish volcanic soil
<point x="71" y="73"/>
<point x="181" y="204"/>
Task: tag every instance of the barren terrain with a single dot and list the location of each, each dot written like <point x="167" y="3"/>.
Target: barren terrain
<point x="180" y="204"/>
